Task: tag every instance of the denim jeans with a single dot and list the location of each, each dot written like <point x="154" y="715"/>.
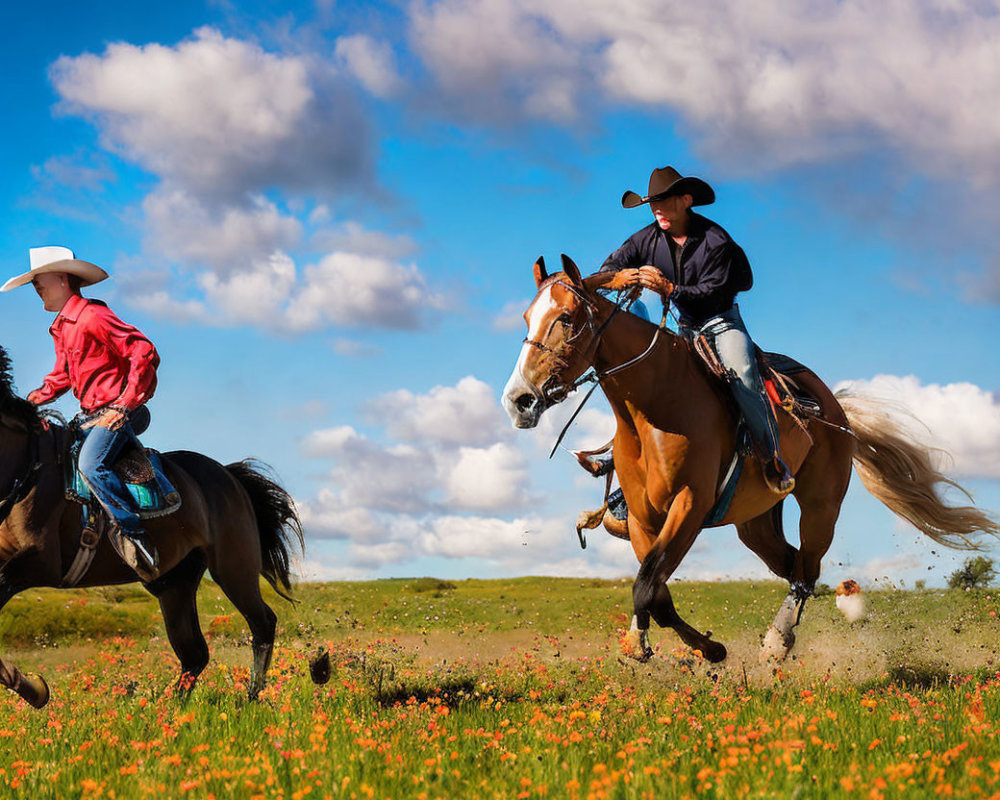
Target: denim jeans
<point x="98" y="453"/>
<point x="732" y="344"/>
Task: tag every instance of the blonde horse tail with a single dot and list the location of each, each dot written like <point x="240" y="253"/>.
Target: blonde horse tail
<point x="900" y="473"/>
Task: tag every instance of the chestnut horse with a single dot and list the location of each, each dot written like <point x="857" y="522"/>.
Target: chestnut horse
<point x="676" y="436"/>
<point x="234" y="520"/>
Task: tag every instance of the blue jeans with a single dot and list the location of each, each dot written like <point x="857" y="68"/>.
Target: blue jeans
<point x="98" y="453"/>
<point x="732" y="344"/>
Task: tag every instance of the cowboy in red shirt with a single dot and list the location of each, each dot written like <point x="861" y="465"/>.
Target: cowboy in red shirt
<point x="109" y="365"/>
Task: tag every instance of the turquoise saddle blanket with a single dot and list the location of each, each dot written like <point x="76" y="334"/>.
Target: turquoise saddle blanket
<point x="141" y="470"/>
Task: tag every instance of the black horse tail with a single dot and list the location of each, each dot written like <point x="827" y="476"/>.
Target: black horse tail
<point x="277" y="521"/>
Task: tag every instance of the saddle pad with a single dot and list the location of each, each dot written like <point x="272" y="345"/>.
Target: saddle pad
<point x="142" y="473"/>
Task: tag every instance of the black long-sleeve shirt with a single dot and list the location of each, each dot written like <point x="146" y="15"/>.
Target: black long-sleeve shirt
<point x="707" y="271"/>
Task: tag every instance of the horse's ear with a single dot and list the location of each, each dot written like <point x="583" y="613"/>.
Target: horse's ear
<point x="540" y="273"/>
<point x="572" y="270"/>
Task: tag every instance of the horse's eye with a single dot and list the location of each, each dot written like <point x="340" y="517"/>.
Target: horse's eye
<point x="565" y="319"/>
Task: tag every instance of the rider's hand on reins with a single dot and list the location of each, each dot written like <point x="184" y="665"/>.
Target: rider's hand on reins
<point x="651" y="278"/>
<point x="623" y="279"/>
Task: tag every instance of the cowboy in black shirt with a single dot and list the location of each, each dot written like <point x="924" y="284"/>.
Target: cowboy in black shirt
<point x="692" y="261"/>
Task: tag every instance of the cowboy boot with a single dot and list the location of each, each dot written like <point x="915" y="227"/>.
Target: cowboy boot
<point x="760" y="421"/>
<point x="778" y="475"/>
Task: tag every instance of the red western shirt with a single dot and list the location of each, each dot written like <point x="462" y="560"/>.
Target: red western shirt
<point x="103" y="360"/>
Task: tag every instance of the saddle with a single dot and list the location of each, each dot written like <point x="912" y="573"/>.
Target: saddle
<point x="141" y="470"/>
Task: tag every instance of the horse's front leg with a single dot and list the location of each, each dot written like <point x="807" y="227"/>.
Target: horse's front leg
<point x="29" y="686"/>
<point x="650" y="595"/>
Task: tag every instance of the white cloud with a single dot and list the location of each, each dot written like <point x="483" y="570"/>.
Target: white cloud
<point x="372" y="554"/>
<point x="161" y="303"/>
<point x="467" y="413"/>
<point x="319" y="570"/>
<point x="222" y="237"/>
<point x="593" y="427"/>
<point x="354" y="238"/>
<point x="355" y="289"/>
<point x="239" y="257"/>
<point x="487" y="478"/>
<point x="487" y="537"/>
<point x="786" y="81"/>
<point x="439" y="456"/>
<point x="330" y="442"/>
<point x="371" y="62"/>
<point x="226" y="126"/>
<point x="961" y="418"/>
<point x="219" y="117"/>
<point x="326" y="517"/>
<point x="254" y="295"/>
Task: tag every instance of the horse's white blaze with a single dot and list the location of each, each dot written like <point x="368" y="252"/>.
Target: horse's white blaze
<point x="517" y="384"/>
<point x="543" y="304"/>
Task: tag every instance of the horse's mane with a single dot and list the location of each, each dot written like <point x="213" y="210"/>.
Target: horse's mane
<point x="10" y="403"/>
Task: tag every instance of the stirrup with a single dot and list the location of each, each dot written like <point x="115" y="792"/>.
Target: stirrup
<point x="149" y="555"/>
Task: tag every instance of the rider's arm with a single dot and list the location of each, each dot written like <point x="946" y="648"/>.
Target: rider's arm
<point x="630" y="255"/>
<point x="56" y="382"/>
<point x="725" y="270"/>
<point x="132" y="346"/>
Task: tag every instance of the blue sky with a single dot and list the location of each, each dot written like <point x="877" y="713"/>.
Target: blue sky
<point x="325" y="216"/>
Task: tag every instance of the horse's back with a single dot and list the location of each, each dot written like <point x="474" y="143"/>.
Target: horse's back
<point x="212" y="499"/>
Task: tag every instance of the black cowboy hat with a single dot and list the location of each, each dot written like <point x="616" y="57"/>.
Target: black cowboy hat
<point x="668" y="182"/>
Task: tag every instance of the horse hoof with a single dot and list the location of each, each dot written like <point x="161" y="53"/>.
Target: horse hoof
<point x="776" y="646"/>
<point x="33" y="689"/>
<point x="635" y="646"/>
<point x="714" y="652"/>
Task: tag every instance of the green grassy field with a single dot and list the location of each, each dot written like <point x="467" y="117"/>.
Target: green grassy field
<point x="507" y="688"/>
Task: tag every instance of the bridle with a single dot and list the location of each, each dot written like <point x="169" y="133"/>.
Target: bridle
<point x="553" y="391"/>
<point x="550" y="396"/>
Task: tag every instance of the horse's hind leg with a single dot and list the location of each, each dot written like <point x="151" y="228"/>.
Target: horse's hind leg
<point x="765" y="536"/>
<point x="177" y="591"/>
<point x="821" y="486"/>
<point x="240" y="580"/>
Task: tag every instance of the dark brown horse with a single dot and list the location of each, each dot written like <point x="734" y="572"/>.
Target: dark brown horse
<point x="234" y="520"/>
<point x="676" y="435"/>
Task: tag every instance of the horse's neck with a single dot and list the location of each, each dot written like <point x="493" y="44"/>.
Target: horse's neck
<point x="14" y="457"/>
<point x="20" y="453"/>
<point x="657" y="381"/>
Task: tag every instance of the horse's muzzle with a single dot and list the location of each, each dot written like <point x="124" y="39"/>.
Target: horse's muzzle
<point x="524" y="410"/>
<point x="523" y="403"/>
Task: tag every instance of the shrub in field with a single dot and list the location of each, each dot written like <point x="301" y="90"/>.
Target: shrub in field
<point x="976" y="573"/>
<point x="435" y="585"/>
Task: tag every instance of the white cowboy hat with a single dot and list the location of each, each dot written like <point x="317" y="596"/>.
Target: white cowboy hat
<point x="56" y="259"/>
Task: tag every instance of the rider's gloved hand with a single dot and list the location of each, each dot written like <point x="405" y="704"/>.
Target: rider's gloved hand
<point x="651" y="278"/>
<point x="623" y="279"/>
